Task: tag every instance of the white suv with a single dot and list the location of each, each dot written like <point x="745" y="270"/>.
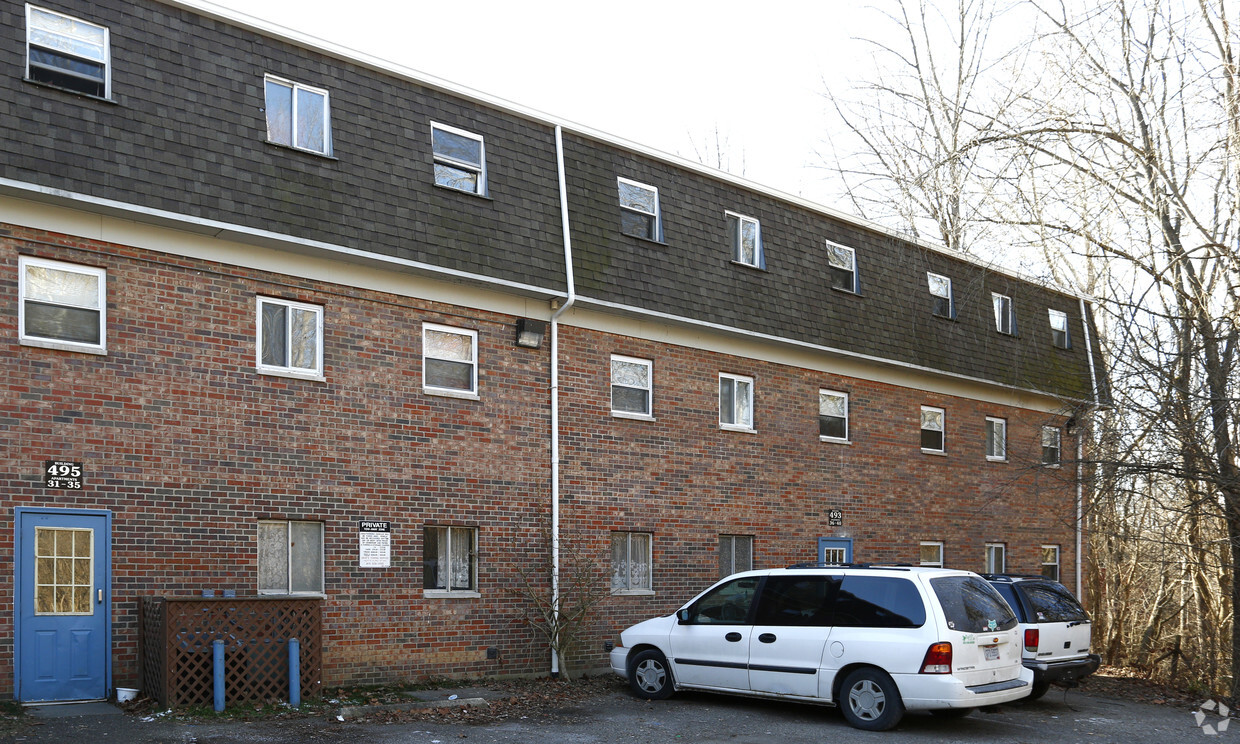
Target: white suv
<point x="875" y="640"/>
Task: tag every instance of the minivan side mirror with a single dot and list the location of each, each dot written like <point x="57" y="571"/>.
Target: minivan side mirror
<point x="682" y="617"/>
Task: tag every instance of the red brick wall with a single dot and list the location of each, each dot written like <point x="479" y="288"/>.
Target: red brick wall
<point x="687" y="481"/>
<point x="189" y="447"/>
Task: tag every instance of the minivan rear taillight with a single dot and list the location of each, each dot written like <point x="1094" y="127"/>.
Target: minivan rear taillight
<point x="938" y="659"/>
<point x="1031" y="639"/>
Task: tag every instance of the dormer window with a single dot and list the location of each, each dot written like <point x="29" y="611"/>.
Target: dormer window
<point x="67" y="52"/>
<point x="842" y="262"/>
<point x="1059" y="330"/>
<point x="639" y="209"/>
<point x="745" y="239"/>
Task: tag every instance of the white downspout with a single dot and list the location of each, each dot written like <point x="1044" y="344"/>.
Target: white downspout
<point x="1080" y="455"/>
<point x="555" y="390"/>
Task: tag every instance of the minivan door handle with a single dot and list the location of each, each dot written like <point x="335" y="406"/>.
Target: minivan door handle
<point x="767" y="638"/>
<point x="732" y="637"/>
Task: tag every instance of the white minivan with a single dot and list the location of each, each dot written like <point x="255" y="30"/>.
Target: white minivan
<point x="875" y="640"/>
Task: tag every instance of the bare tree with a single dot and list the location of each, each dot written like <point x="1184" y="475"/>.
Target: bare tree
<point x="1114" y="146"/>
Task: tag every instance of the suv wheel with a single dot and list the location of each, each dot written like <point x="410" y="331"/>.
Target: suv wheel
<point x="869" y="700"/>
<point x="650" y="676"/>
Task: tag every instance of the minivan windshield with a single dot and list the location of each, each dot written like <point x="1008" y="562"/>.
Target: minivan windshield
<point x="971" y="605"/>
<point x="1052" y="603"/>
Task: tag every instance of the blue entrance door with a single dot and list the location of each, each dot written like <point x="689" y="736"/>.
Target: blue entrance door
<point x="835" y="550"/>
<point x="63" y="623"/>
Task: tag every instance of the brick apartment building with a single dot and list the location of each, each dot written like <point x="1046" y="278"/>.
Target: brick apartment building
<point x="260" y="293"/>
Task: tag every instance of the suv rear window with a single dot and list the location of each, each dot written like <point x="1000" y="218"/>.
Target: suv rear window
<point x="879" y="602"/>
<point x="971" y="605"/>
<point x="1052" y="603"/>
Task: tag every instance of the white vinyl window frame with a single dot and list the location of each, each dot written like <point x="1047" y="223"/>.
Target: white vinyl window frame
<point x="732" y="560"/>
<point x="289" y="368"/>
<point x="85" y="302"/>
<point x="630" y="549"/>
<point x="1050" y="562"/>
<point x="930" y="553"/>
<point x="647" y="414"/>
<point x="736" y="402"/>
<point x="634" y="213"/>
<point x="996" y="439"/>
<point x="447" y="160"/>
<point x="996" y="558"/>
<point x="830" y="403"/>
<point x="291" y="554"/>
<point x="745" y="236"/>
<point x="62" y="49"/>
<point x="1052" y="446"/>
<point x="934" y="421"/>
<point x="299" y="95"/>
<point x="842" y="264"/>
<point x="943" y="304"/>
<point x="1005" y="313"/>
<point x="447" y="534"/>
<point x="429" y="358"/>
<point x="1060" y="338"/>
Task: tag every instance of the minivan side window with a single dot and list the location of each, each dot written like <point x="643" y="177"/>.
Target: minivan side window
<point x="728" y="604"/>
<point x="879" y="602"/>
<point x="971" y="604"/>
<point x="797" y="601"/>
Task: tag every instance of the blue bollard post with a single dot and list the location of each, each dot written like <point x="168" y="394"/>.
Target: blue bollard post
<point x="217" y="663"/>
<point x="294" y="672"/>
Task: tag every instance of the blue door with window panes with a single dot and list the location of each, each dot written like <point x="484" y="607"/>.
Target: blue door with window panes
<point x="835" y="550"/>
<point x="63" y="622"/>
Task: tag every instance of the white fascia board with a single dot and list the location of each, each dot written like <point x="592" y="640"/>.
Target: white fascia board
<point x="266" y="28"/>
<point x="666" y="328"/>
<point x="253" y="236"/>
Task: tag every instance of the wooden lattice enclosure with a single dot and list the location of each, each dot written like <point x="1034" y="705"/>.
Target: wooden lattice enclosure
<point x="176" y="647"/>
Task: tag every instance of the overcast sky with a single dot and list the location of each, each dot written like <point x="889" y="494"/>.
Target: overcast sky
<point x="663" y="73"/>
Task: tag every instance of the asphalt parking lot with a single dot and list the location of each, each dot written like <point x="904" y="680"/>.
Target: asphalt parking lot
<point x="616" y="716"/>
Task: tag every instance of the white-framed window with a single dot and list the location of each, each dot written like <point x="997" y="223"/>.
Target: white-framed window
<point x="1005" y="315"/>
<point x="460" y="159"/>
<point x="449" y="361"/>
<point x="449" y="560"/>
<point x="632" y="387"/>
<point x="996" y="558"/>
<point x="1051" y="446"/>
<point x="996" y="438"/>
<point x="941" y="303"/>
<point x="745" y="239"/>
<point x="62" y="305"/>
<point x="933" y="437"/>
<point x="1059" y="329"/>
<point x="930" y="553"/>
<point x="290" y="338"/>
<point x="842" y="261"/>
<point x="735" y="554"/>
<point x="1050" y="562"/>
<point x="735" y="402"/>
<point x="298" y="115"/>
<point x="832" y="416"/>
<point x="290" y="557"/>
<point x="639" y="209"/>
<point x="68" y="52"/>
<point x="631" y="563"/>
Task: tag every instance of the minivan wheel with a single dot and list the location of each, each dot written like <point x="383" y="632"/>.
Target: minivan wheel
<point x="869" y="700"/>
<point x="650" y="676"/>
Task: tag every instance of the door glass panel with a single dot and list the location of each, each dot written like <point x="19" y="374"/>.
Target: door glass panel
<point x="64" y="571"/>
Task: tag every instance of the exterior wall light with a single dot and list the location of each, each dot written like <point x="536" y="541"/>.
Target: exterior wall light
<point x="530" y="332"/>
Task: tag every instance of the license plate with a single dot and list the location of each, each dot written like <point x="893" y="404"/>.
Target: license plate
<point x="992" y="652"/>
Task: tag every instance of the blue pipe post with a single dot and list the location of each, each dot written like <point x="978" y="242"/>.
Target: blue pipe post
<point x="294" y="672"/>
<point x="217" y="663"/>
